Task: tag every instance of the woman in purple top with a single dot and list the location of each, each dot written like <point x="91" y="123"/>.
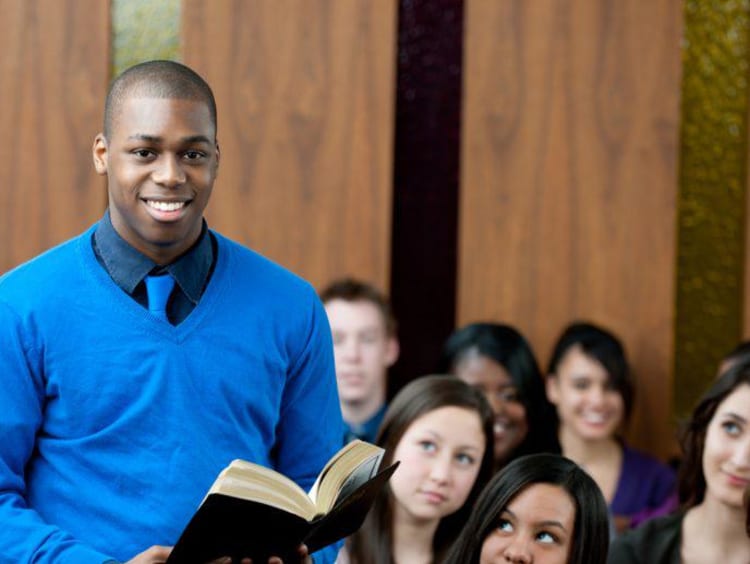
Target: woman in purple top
<point x="589" y="383"/>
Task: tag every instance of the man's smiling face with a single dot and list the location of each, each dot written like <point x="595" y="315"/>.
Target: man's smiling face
<point x="160" y="160"/>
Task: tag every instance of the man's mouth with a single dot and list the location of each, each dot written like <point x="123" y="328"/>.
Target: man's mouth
<point x="165" y="206"/>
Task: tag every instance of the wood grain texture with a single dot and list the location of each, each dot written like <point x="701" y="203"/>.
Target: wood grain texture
<point x="569" y="150"/>
<point x="745" y="322"/>
<point x="53" y="79"/>
<point x="305" y="92"/>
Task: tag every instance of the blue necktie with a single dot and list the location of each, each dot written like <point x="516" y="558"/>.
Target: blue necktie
<point x="158" y="289"/>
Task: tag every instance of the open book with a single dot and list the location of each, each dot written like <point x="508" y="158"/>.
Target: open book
<point x="253" y="511"/>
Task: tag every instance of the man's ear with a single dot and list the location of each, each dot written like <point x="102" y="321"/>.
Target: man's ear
<point x="218" y="158"/>
<point x="550" y="386"/>
<point x="100" y="152"/>
<point x="392" y="351"/>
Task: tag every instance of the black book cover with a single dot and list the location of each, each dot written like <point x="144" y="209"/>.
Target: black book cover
<point x="229" y="526"/>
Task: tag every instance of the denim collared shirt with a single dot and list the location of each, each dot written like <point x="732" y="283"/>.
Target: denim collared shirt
<point x="128" y="267"/>
<point x="366" y="431"/>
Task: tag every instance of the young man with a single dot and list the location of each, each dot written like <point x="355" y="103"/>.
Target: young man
<point x="365" y="346"/>
<point x="141" y="357"/>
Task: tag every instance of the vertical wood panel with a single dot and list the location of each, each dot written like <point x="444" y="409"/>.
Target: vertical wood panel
<point x="569" y="181"/>
<point x="426" y="182"/>
<point x="745" y="321"/>
<point x="305" y="94"/>
<point x="746" y="269"/>
<point x="53" y="78"/>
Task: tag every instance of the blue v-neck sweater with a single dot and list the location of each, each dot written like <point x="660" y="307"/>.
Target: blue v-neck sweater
<point x="114" y="424"/>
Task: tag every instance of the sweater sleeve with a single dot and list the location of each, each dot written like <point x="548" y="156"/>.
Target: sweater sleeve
<point x="311" y="429"/>
<point x="25" y="536"/>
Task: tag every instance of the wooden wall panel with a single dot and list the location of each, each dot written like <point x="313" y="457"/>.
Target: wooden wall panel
<point x="746" y="270"/>
<point x="305" y="92"/>
<point x="745" y="321"/>
<point x="569" y="150"/>
<point x="54" y="71"/>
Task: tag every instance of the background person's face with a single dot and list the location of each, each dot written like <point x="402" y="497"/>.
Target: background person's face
<point x="363" y="350"/>
<point x="510" y="425"/>
<point x="586" y="404"/>
<point x="160" y="161"/>
<point x="536" y="526"/>
<point x="441" y="454"/>
<point x="726" y="453"/>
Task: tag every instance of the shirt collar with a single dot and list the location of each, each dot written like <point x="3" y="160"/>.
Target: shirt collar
<point x="128" y="266"/>
<point x="369" y="428"/>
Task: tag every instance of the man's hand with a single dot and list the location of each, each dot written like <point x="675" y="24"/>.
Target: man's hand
<point x="159" y="555"/>
<point x="154" y="555"/>
<point x="304" y="558"/>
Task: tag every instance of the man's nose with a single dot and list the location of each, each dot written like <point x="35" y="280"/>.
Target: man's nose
<point x="169" y="171"/>
<point x="351" y="349"/>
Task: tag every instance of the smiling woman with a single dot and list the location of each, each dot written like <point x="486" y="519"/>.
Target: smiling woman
<point x="540" y="509"/>
<point x="714" y="475"/>
<point x="496" y="359"/>
<point x="589" y="383"/>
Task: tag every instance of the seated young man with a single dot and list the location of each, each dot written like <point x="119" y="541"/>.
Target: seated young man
<point x="365" y="346"/>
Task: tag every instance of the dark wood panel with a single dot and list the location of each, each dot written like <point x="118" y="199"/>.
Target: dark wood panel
<point x="746" y="281"/>
<point x="569" y="182"/>
<point x="426" y="182"/>
<point x="305" y="91"/>
<point x="53" y="79"/>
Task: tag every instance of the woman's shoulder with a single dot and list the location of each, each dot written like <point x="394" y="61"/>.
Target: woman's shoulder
<point x="656" y="540"/>
<point x="645" y="466"/>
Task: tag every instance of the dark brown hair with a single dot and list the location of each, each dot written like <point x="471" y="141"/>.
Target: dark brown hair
<point x="373" y="543"/>
<point x="353" y="290"/>
<point x="692" y="480"/>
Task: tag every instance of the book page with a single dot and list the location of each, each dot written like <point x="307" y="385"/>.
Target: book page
<point x="246" y="480"/>
<point x="342" y="468"/>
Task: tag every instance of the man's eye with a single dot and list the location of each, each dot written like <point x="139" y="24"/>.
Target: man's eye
<point x="143" y="153"/>
<point x="194" y="155"/>
<point x="368" y="338"/>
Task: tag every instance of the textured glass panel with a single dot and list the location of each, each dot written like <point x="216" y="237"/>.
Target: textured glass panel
<point x="143" y="30"/>
<point x="712" y="191"/>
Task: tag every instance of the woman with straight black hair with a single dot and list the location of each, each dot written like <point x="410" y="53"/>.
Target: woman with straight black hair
<point x="590" y="384"/>
<point x="498" y="360"/>
<point x="540" y="508"/>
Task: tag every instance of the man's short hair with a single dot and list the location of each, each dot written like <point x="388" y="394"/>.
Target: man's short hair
<point x="353" y="290"/>
<point x="157" y="79"/>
